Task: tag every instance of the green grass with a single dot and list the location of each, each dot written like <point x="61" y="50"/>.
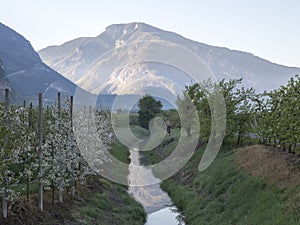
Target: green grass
<point x="101" y="208"/>
<point x="120" y="152"/>
<point x="162" y="152"/>
<point x="140" y="132"/>
<point x="223" y="194"/>
<point x="113" y="205"/>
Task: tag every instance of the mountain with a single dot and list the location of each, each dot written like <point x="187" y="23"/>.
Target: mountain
<point x="3" y="82"/>
<point x="2" y="74"/>
<point x="113" y="62"/>
<point x="25" y="72"/>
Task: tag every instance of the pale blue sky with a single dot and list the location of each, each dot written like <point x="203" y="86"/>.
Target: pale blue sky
<point x="266" y="28"/>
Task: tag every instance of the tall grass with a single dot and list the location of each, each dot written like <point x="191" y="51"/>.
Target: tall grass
<point x="223" y="194"/>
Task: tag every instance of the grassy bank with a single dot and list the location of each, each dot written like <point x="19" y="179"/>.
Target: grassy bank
<point x="99" y="202"/>
<point x="224" y="194"/>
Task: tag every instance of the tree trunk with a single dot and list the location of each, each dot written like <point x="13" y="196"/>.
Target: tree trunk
<point x="238" y="138"/>
<point x="71" y="133"/>
<point x="40" y="153"/>
<point x="290" y="149"/>
<point x="274" y="143"/>
<point x="30" y="127"/>
<point x="188" y="131"/>
<point x="27" y="189"/>
<point x="53" y="191"/>
<point x="4" y="192"/>
<point x="60" y="188"/>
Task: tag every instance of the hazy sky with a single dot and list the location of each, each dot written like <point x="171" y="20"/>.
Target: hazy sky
<point x="267" y="28"/>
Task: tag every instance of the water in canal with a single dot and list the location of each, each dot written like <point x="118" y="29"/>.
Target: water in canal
<point x="156" y="202"/>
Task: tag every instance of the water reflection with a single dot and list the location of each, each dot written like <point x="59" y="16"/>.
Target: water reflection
<point x="165" y="216"/>
<point x="156" y="202"/>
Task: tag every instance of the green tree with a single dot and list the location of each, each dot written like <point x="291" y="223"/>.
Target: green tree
<point x="238" y="102"/>
<point x="187" y="112"/>
<point x="172" y="115"/>
<point x="148" y="109"/>
<point x="278" y="116"/>
<point x="244" y="116"/>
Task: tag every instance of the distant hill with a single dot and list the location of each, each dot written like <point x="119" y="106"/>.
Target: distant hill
<point x="24" y="70"/>
<point x="90" y="62"/>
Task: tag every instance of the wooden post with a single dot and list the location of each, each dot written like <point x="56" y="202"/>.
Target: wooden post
<point x="59" y="105"/>
<point x="71" y="134"/>
<point x="30" y="127"/>
<point x="4" y="192"/>
<point x="31" y="124"/>
<point x="60" y="188"/>
<point x="71" y="110"/>
<point x="27" y="154"/>
<point x="40" y="153"/>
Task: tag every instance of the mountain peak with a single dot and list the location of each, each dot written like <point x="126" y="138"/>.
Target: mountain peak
<point x="129" y="28"/>
<point x="121" y="26"/>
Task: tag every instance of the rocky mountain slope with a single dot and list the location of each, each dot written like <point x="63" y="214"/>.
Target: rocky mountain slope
<point x="24" y="70"/>
<point x="113" y="62"/>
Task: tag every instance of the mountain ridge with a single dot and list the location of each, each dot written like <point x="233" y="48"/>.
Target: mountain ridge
<point x="24" y="70"/>
<point x="80" y="60"/>
<point x="197" y="42"/>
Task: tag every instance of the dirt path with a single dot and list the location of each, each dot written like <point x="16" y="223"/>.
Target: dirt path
<point x="275" y="166"/>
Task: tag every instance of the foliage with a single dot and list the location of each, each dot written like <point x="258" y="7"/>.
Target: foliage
<point x="186" y="110"/>
<point x="148" y="109"/>
<point x="172" y="115"/>
<point x="278" y="116"/>
<point x="10" y="150"/>
<point x="63" y="164"/>
<point x="238" y="102"/>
